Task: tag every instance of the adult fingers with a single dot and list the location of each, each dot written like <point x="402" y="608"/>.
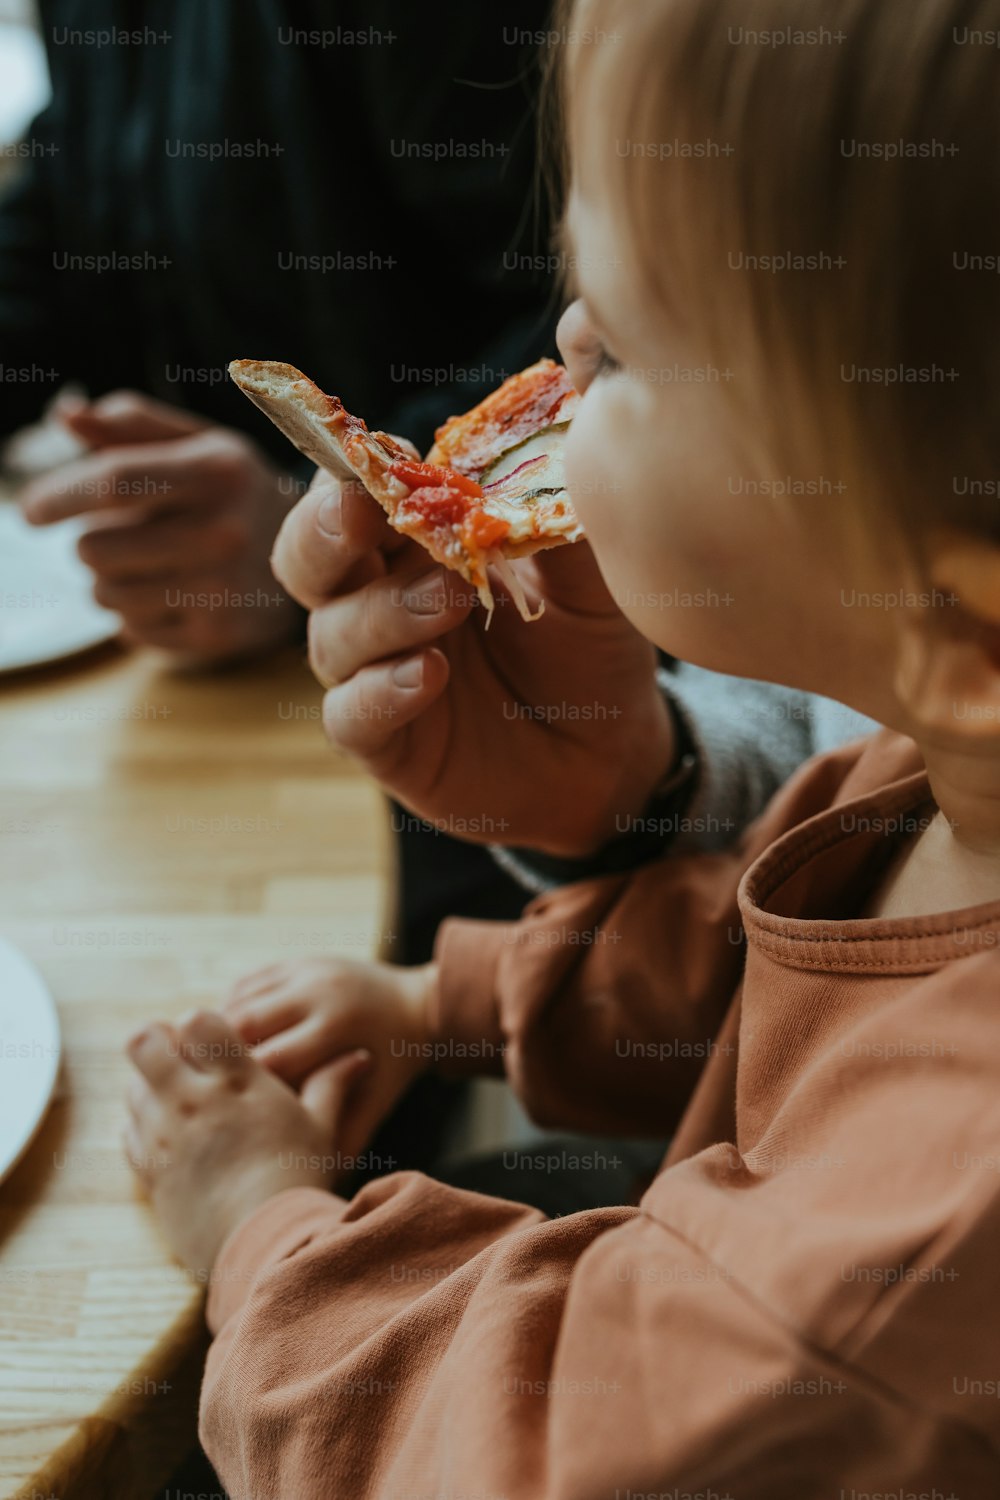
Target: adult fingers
<point x="387" y="616"/>
<point x="335" y="526"/>
<point x="365" y="716"/>
<point x="214" y="465"/>
<point x="124" y="417"/>
<point x="571" y="580"/>
<point x="142" y="602"/>
<point x="163" y="543"/>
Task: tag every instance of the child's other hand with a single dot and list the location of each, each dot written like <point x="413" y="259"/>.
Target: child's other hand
<point x="212" y="1135"/>
<point x="301" y="1014"/>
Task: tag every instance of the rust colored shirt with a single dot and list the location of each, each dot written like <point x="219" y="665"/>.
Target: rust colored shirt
<point x="805" y="1301"/>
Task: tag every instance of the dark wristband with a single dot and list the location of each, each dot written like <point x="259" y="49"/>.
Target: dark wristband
<point x="644" y="838"/>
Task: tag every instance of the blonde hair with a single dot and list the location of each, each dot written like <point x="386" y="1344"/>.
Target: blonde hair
<point x="871" y="147"/>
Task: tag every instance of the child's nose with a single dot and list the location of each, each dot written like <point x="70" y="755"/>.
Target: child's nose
<point x="579" y="344"/>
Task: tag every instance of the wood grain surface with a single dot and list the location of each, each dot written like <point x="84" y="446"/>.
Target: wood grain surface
<point x="161" y="832"/>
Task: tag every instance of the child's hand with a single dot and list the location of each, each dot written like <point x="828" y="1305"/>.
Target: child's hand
<point x="300" y="1015"/>
<point x="213" y="1135"/>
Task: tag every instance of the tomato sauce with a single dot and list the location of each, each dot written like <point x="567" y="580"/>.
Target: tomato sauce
<point x="443" y="497"/>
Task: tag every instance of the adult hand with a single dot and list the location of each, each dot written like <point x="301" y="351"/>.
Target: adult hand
<point x="552" y="734"/>
<point x="181" y="519"/>
<point x="544" y="734"/>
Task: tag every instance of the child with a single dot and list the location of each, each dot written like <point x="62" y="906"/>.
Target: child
<point x="802" y="1305"/>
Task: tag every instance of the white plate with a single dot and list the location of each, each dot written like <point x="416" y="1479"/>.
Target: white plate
<point x="24" y="79"/>
<point x="46" y="609"/>
<point x="29" y="1054"/>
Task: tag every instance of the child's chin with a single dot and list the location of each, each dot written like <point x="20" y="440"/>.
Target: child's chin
<point x="668" y="626"/>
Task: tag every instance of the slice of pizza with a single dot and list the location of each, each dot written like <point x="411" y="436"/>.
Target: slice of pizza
<point x="492" y="487"/>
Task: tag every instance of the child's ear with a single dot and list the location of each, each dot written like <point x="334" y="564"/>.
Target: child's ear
<point x="949" y="667"/>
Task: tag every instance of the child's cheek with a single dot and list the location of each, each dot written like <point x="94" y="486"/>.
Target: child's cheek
<point x="593" y="466"/>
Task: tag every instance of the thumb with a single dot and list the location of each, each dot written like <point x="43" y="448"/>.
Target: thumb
<point x="124" y="417"/>
<point x="325" y="1093"/>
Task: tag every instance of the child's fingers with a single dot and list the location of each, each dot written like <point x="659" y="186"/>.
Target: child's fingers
<point x="155" y="1051"/>
<point x="292" y="1054"/>
<point x="327" y="1091"/>
<point x="207" y="1041"/>
<point x="364" y="715"/>
<point x="141" y="1102"/>
<point x="135" y="1153"/>
<point x="257" y="1020"/>
<point x="254" y="983"/>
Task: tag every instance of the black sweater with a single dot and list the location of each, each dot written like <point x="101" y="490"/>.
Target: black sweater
<point x="253" y="178"/>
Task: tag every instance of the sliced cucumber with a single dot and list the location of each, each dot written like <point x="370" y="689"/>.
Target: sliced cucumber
<point x="545" y="444"/>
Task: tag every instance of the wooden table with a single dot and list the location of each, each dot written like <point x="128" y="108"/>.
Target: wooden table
<point x="161" y="833"/>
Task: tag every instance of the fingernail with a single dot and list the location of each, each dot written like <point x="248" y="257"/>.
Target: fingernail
<point x="359" y="1063"/>
<point x="329" y="516"/>
<point x="426" y="595"/>
<point x="409" y="673"/>
<point x="68" y="404"/>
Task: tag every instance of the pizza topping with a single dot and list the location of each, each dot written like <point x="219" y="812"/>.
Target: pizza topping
<point x="516" y="588"/>
<point x="535" y="456"/>
<point x="485" y="531"/>
<point x="535" y="403"/>
<point x="425" y="476"/>
<point x="536" y="479"/>
<point x="540" y="398"/>
<point x="442" y="498"/>
<point x="492" y="488"/>
<point x="438" y="505"/>
<point x="522" y="477"/>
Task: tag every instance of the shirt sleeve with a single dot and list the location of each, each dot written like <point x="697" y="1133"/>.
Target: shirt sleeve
<point x="808" y="1300"/>
<point x="604" y="1002"/>
<point x="750" y="738"/>
<point x="738" y="1334"/>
